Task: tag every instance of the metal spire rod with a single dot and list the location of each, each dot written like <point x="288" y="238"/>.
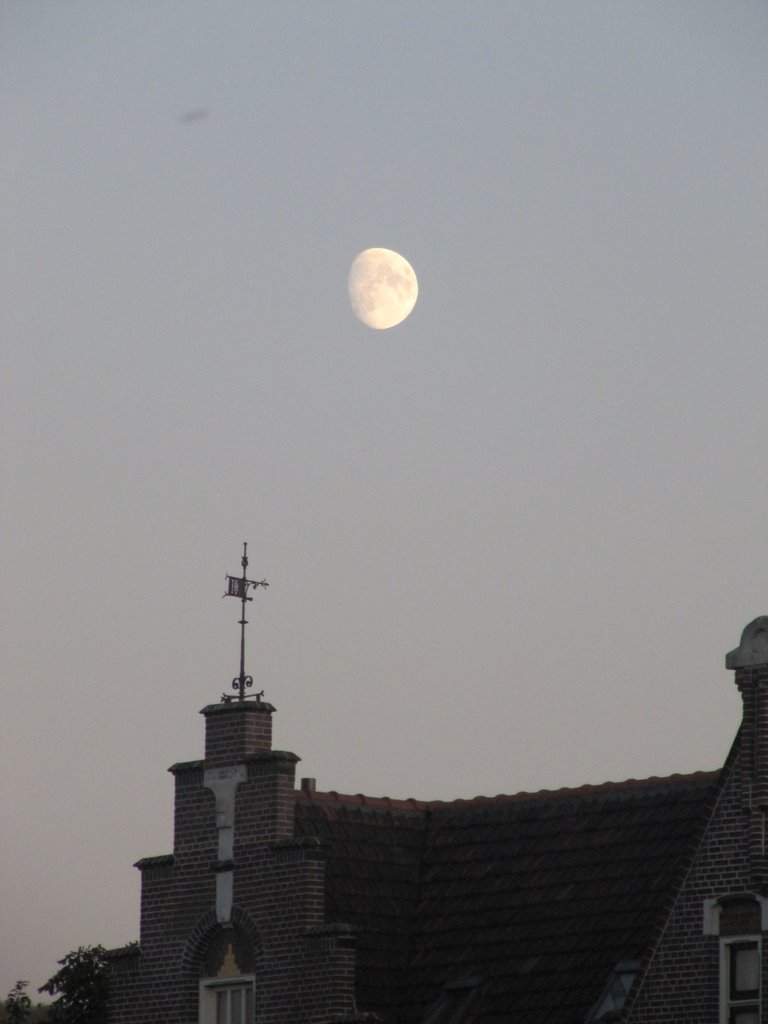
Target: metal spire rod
<point x="237" y="586"/>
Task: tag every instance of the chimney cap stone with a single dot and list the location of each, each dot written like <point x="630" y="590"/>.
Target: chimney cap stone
<point x="753" y="649"/>
<point x="238" y="706"/>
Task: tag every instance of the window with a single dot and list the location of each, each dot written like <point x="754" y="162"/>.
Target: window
<point x="456" y="998"/>
<point x="615" y="993"/>
<point x="234" y="1004"/>
<point x="226" y="1003"/>
<point x="740" y="981"/>
<point x="227" y="979"/>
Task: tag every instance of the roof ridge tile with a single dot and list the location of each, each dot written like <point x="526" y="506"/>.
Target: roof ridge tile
<point x="699" y="778"/>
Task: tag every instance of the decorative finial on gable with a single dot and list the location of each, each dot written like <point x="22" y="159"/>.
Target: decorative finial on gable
<point x="237" y="586"/>
<point x="753" y="649"/>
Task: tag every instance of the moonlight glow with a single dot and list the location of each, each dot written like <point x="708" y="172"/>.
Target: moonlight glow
<point x="382" y="288"/>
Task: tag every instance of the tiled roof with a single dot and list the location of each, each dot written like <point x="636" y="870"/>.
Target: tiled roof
<point x="537" y="895"/>
<point x="374" y="855"/>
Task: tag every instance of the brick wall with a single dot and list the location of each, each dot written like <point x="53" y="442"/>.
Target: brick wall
<point x="682" y="982"/>
<point x="682" y="979"/>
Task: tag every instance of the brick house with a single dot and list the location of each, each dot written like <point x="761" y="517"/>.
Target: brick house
<point x="642" y="902"/>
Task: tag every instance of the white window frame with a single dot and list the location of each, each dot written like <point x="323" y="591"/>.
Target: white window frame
<point x="210" y="986"/>
<point x="726" y="1003"/>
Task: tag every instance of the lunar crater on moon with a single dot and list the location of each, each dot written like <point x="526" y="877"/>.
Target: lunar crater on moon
<point x="382" y="288"/>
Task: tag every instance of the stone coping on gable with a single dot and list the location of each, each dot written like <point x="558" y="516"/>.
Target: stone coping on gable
<point x="299" y="843"/>
<point x="164" y="860"/>
<point x="186" y="766"/>
<point x="123" y="952"/>
<point x="281" y="756"/>
<point x="271" y="755"/>
<point x="332" y="928"/>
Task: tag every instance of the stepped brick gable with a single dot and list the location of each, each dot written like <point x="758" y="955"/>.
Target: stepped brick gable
<point x="241" y="900"/>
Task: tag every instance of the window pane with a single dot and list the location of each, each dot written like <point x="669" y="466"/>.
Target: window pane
<point x="221" y="1008"/>
<point x="745" y="969"/>
<point x="249" y="1005"/>
<point x="238" y="996"/>
<point x="745" y="1017"/>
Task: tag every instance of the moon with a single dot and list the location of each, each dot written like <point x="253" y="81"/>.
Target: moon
<point x="382" y="288"/>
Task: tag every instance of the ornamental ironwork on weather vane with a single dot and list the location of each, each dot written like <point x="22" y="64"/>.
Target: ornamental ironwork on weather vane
<point x="237" y="586"/>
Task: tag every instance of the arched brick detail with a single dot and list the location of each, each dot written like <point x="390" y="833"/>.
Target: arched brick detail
<point x="246" y="924"/>
<point x="197" y="940"/>
<point x="200" y="936"/>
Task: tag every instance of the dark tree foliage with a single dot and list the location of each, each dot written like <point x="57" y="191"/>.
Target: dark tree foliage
<point x="80" y="987"/>
<point x="18" y="1005"/>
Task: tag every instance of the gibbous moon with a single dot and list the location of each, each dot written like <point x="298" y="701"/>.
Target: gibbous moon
<point x="382" y="288"/>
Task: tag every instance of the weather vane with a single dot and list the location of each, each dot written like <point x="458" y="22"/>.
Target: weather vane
<point x="237" y="586"/>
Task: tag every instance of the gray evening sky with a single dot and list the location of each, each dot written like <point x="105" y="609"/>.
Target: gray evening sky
<point x="508" y="541"/>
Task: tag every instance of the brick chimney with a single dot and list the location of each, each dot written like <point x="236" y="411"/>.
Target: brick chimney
<point x="750" y="662"/>
<point x="235" y="730"/>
